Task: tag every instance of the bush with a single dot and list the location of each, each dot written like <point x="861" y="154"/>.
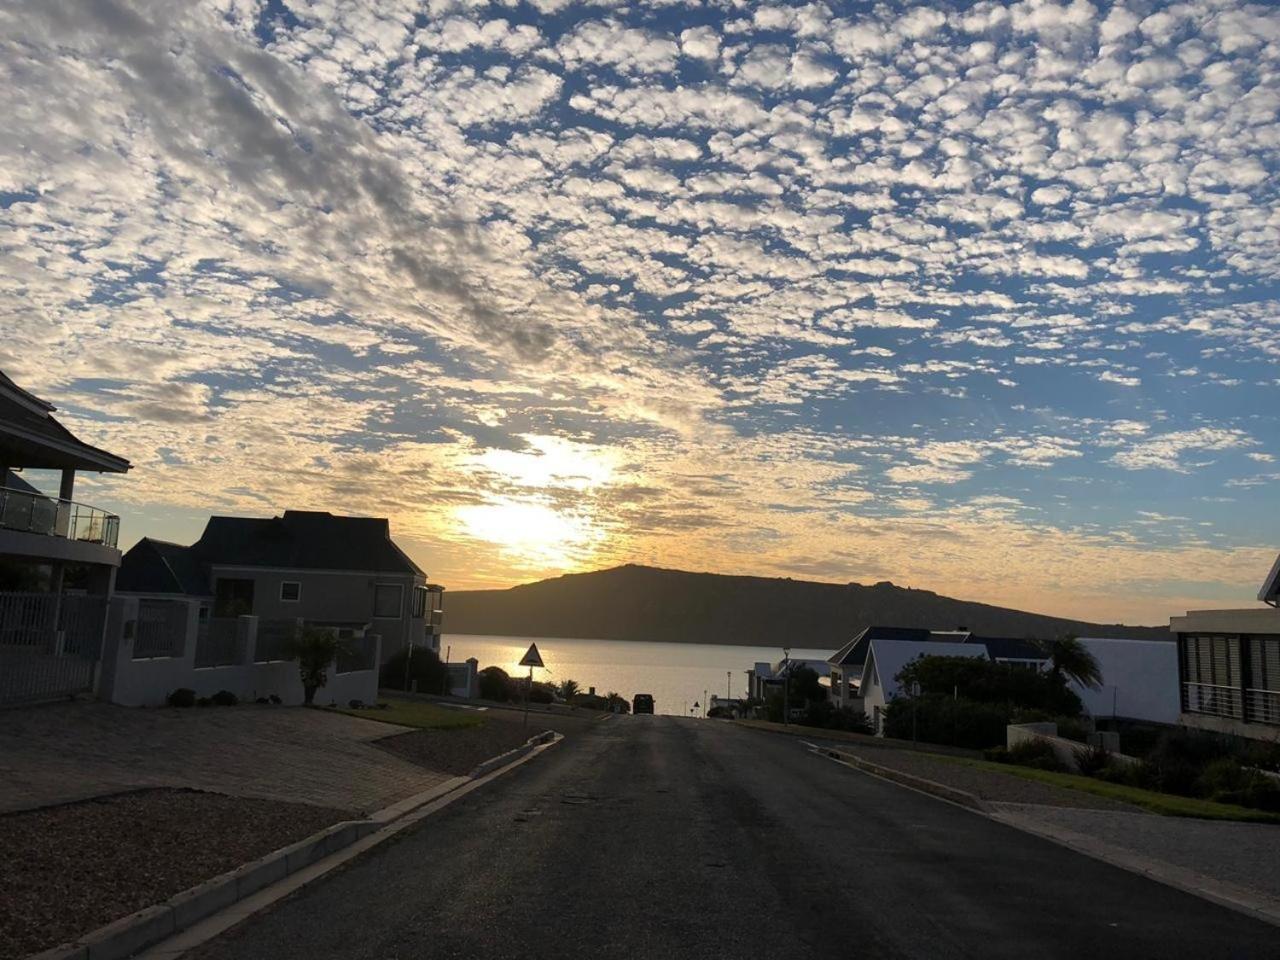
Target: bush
<point x="825" y="714"/>
<point x="495" y="684"/>
<point x="1090" y="760"/>
<point x="541" y="693"/>
<point x="224" y="698"/>
<point x="423" y="666"/>
<point x="182" y="697"/>
<point x="204" y="702"/>
<point x="978" y="679"/>
<point x="1226" y="780"/>
<point x="946" y="720"/>
<point x="1035" y="753"/>
<point x="720" y="713"/>
<point x="997" y="754"/>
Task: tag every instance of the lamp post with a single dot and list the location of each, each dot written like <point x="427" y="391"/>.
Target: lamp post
<point x="728" y="684"/>
<point x="786" y="685"/>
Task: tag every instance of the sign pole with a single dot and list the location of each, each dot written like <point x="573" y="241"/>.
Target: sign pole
<point x="531" y="659"/>
<point x="527" y="688"/>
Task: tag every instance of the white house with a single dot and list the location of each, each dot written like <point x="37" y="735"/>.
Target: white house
<point x="1139" y="677"/>
<point x="885" y="660"/>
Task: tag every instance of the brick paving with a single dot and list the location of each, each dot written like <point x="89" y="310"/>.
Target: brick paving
<point x="60" y="752"/>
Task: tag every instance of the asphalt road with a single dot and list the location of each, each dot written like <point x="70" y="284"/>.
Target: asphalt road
<point x="658" y="837"/>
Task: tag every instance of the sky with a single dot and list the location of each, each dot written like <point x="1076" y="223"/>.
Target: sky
<point x="978" y="298"/>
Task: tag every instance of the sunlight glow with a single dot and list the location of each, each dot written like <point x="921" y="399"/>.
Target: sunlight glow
<point x="533" y="533"/>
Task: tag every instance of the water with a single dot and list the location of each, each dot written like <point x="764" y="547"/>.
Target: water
<point x="677" y="674"/>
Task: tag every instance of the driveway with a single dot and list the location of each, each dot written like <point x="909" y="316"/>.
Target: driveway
<point x="55" y="753"/>
<point x="658" y="837"/>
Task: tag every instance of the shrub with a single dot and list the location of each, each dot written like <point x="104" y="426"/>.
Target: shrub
<point x="1035" y="753"/>
<point x="541" y="693"/>
<point x="225" y="698"/>
<point x="1226" y="780"/>
<point x="981" y="681"/>
<point x="422" y="665"/>
<point x="182" y="697"/>
<point x="720" y="713"/>
<point x="204" y="702"/>
<point x="314" y="649"/>
<point x="997" y="754"/>
<point x="1090" y="760"/>
<point x="946" y="720"/>
<point x="495" y="684"/>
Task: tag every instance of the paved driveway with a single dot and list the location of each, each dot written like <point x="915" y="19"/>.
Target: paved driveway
<point x="55" y="753"/>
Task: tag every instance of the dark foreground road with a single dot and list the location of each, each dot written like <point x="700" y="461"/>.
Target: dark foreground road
<point x="666" y="838"/>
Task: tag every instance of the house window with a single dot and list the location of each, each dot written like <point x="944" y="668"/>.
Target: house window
<point x="290" y="591"/>
<point x="387" y="600"/>
<point x="419" y="601"/>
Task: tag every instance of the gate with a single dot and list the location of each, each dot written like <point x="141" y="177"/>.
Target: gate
<point x="49" y="644"/>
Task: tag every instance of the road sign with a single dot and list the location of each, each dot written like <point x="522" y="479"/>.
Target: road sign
<point x="532" y="657"/>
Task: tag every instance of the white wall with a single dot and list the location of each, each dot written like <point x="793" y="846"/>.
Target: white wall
<point x="148" y="682"/>
<point x="1140" y="680"/>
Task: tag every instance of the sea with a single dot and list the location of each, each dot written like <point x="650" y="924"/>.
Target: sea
<point x="678" y="675"/>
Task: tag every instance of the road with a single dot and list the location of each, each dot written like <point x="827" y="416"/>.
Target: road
<point x="658" y="837"/>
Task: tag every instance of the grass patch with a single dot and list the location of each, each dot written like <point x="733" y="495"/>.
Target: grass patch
<point x="1166" y="804"/>
<point x="415" y="713"/>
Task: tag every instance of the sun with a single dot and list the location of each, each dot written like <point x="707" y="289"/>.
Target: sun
<point x="532" y="533"/>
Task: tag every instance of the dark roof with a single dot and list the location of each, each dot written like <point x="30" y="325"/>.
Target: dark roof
<point x="300" y="540"/>
<point x="31" y="437"/>
<point x="854" y="652"/>
<point x="304" y="540"/>
<point x="1010" y="648"/>
<point x="1270" y="592"/>
<point x="12" y="481"/>
<point x="154" y="566"/>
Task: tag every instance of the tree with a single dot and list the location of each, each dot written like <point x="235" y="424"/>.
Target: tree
<point x="422" y="664"/>
<point x="1071" y="659"/>
<point x="568" y="689"/>
<point x="616" y="702"/>
<point x="314" y="649"/>
<point x="495" y="684"/>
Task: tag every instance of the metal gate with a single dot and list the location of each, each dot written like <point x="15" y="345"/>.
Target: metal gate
<point x="49" y="644"/>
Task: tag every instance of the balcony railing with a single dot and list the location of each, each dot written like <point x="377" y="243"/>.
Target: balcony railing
<point x="36" y="513"/>
<point x="1215" y="701"/>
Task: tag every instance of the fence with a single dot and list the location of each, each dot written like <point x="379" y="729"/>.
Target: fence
<point x="359" y="653"/>
<point x="49" y="644"/>
<point x="218" y="643"/>
<point x="161" y="631"/>
<point x="1216" y="701"/>
<point x="274" y="640"/>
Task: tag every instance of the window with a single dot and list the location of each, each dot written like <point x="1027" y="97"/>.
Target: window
<point x="290" y="591"/>
<point x="232" y="598"/>
<point x="387" y="600"/>
<point x="419" y="601"/>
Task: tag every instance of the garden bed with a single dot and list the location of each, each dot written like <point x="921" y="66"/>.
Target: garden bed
<point x="69" y="869"/>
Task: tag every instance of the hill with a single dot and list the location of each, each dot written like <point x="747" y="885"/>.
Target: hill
<point x="647" y="603"/>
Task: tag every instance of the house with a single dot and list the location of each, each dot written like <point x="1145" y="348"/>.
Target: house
<point x="58" y="556"/>
<point x="885" y="659"/>
<point x="765" y="678"/>
<point x="1229" y="666"/>
<point x="846" y="664"/>
<point x="345" y="573"/>
<point x="1139" y="680"/>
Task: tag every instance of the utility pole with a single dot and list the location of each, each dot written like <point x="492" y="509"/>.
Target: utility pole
<point x="704" y="703"/>
<point x="786" y="685"/>
<point x="728" y="684"/>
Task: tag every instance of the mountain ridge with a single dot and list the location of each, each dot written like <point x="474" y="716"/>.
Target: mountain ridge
<point x="641" y="603"/>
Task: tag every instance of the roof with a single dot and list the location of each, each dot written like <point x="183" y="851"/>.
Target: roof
<point x="155" y="566"/>
<point x="855" y="651"/>
<point x="1270" y="592"/>
<point x="888" y="657"/>
<point x="299" y="540"/>
<point x="304" y="540"/>
<point x="1010" y="648"/>
<point x="31" y="437"/>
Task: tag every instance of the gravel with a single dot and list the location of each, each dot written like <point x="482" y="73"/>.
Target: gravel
<point x="987" y="784"/>
<point x="67" y="870"/>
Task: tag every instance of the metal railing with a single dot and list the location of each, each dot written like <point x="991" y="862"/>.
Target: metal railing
<point x="218" y="643"/>
<point x="161" y="629"/>
<point x="275" y="638"/>
<point x="35" y="513"/>
<point x="49" y="643"/>
<point x="1262" y="706"/>
<point x="356" y="654"/>
<point x="1213" y="700"/>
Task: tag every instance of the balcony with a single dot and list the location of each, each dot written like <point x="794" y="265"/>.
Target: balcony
<point x="34" y="513"/>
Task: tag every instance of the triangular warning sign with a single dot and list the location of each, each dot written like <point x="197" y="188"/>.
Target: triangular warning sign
<point x="532" y="657"/>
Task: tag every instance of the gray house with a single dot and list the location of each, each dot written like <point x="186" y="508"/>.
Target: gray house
<point x="340" y="572"/>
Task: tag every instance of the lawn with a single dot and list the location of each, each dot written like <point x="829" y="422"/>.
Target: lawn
<point x="1167" y="804"/>
<point x="419" y="714"/>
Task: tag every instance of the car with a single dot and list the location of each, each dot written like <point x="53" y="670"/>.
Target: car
<point x="642" y="703"/>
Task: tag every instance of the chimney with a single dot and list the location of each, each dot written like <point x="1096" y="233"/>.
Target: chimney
<point x="591" y="691"/>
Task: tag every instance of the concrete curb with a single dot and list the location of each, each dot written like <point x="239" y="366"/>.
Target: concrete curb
<point x="127" y="936"/>
<point x="963" y="797"/>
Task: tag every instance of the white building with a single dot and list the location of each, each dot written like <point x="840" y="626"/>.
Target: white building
<point x="1139" y="680"/>
<point x="885" y="660"/>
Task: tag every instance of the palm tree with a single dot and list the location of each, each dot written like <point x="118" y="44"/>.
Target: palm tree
<point x="568" y="689"/>
<point x="1070" y="658"/>
<point x="615" y="701"/>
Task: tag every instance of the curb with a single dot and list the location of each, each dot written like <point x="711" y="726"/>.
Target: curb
<point x="962" y="797"/>
<point x="127" y="936"/>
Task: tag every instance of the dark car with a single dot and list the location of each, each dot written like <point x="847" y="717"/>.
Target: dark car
<point x="642" y="703"/>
